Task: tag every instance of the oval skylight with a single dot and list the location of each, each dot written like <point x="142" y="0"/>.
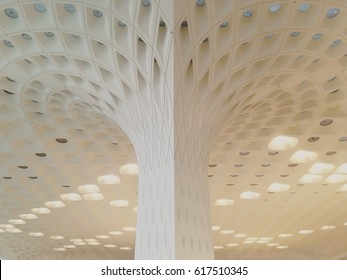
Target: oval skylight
<point x="109" y="180"/>
<point x="278" y="187"/>
<point x="317" y="36"/>
<point x="275" y="7"/>
<point x="248" y="13"/>
<point x="88" y="188"/>
<point x="250" y="195"/>
<point x="333" y="12"/>
<point x="69" y="246"/>
<point x="16" y="222"/>
<point x="125" y="248"/>
<point x="321" y="168"/>
<point x="282" y="247"/>
<point x="36" y="234"/>
<point x="97" y="13"/>
<point x="240" y="235"/>
<point x="303" y="157"/>
<point x="303" y="7"/>
<point x="129" y="229"/>
<point x="12" y="13"/>
<point x="233" y="245"/>
<point x="103" y="237"/>
<point x="224" y="202"/>
<point x="70" y="8"/>
<point x="59" y="249"/>
<point x="200" y="3"/>
<point x="55" y="204"/>
<point x="13" y="230"/>
<point x="343" y="188"/>
<point x="71" y="197"/>
<point x="311" y="179"/>
<point x="119" y="203"/>
<point x="273" y="244"/>
<point x="129" y="169"/>
<point x="94" y="243"/>
<point x="93" y="196"/>
<point x="116" y="233"/>
<point x="7" y="226"/>
<point x="146" y="3"/>
<point x="216" y="228"/>
<point x="28" y="216"/>
<point x="305" y="231"/>
<point x="40" y="7"/>
<point x="335" y="178"/>
<point x="40" y="210"/>
<point x="57" y="237"/>
<point x="226" y="232"/>
<point x="283" y="143"/>
<point x="328" y="227"/>
<point x="285" y="235"/>
<point x="110" y="246"/>
<point x="342" y="169"/>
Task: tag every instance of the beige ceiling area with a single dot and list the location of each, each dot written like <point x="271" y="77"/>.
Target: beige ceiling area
<point x="262" y="86"/>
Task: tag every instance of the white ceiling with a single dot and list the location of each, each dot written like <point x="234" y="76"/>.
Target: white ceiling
<point x="72" y="99"/>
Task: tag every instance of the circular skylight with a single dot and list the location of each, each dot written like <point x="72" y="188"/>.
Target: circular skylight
<point x="200" y="3"/>
<point x="40" y="7"/>
<point x="12" y="13"/>
<point x="184" y="23"/>
<point x="333" y="12"/>
<point x="161" y="23"/>
<point x="70" y="8"/>
<point x="303" y="7"/>
<point x="248" y="13"/>
<point x="129" y="229"/>
<point x="97" y="13"/>
<point x="275" y="7"/>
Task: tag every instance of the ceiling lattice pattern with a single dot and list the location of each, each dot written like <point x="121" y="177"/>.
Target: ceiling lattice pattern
<point x="81" y="79"/>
